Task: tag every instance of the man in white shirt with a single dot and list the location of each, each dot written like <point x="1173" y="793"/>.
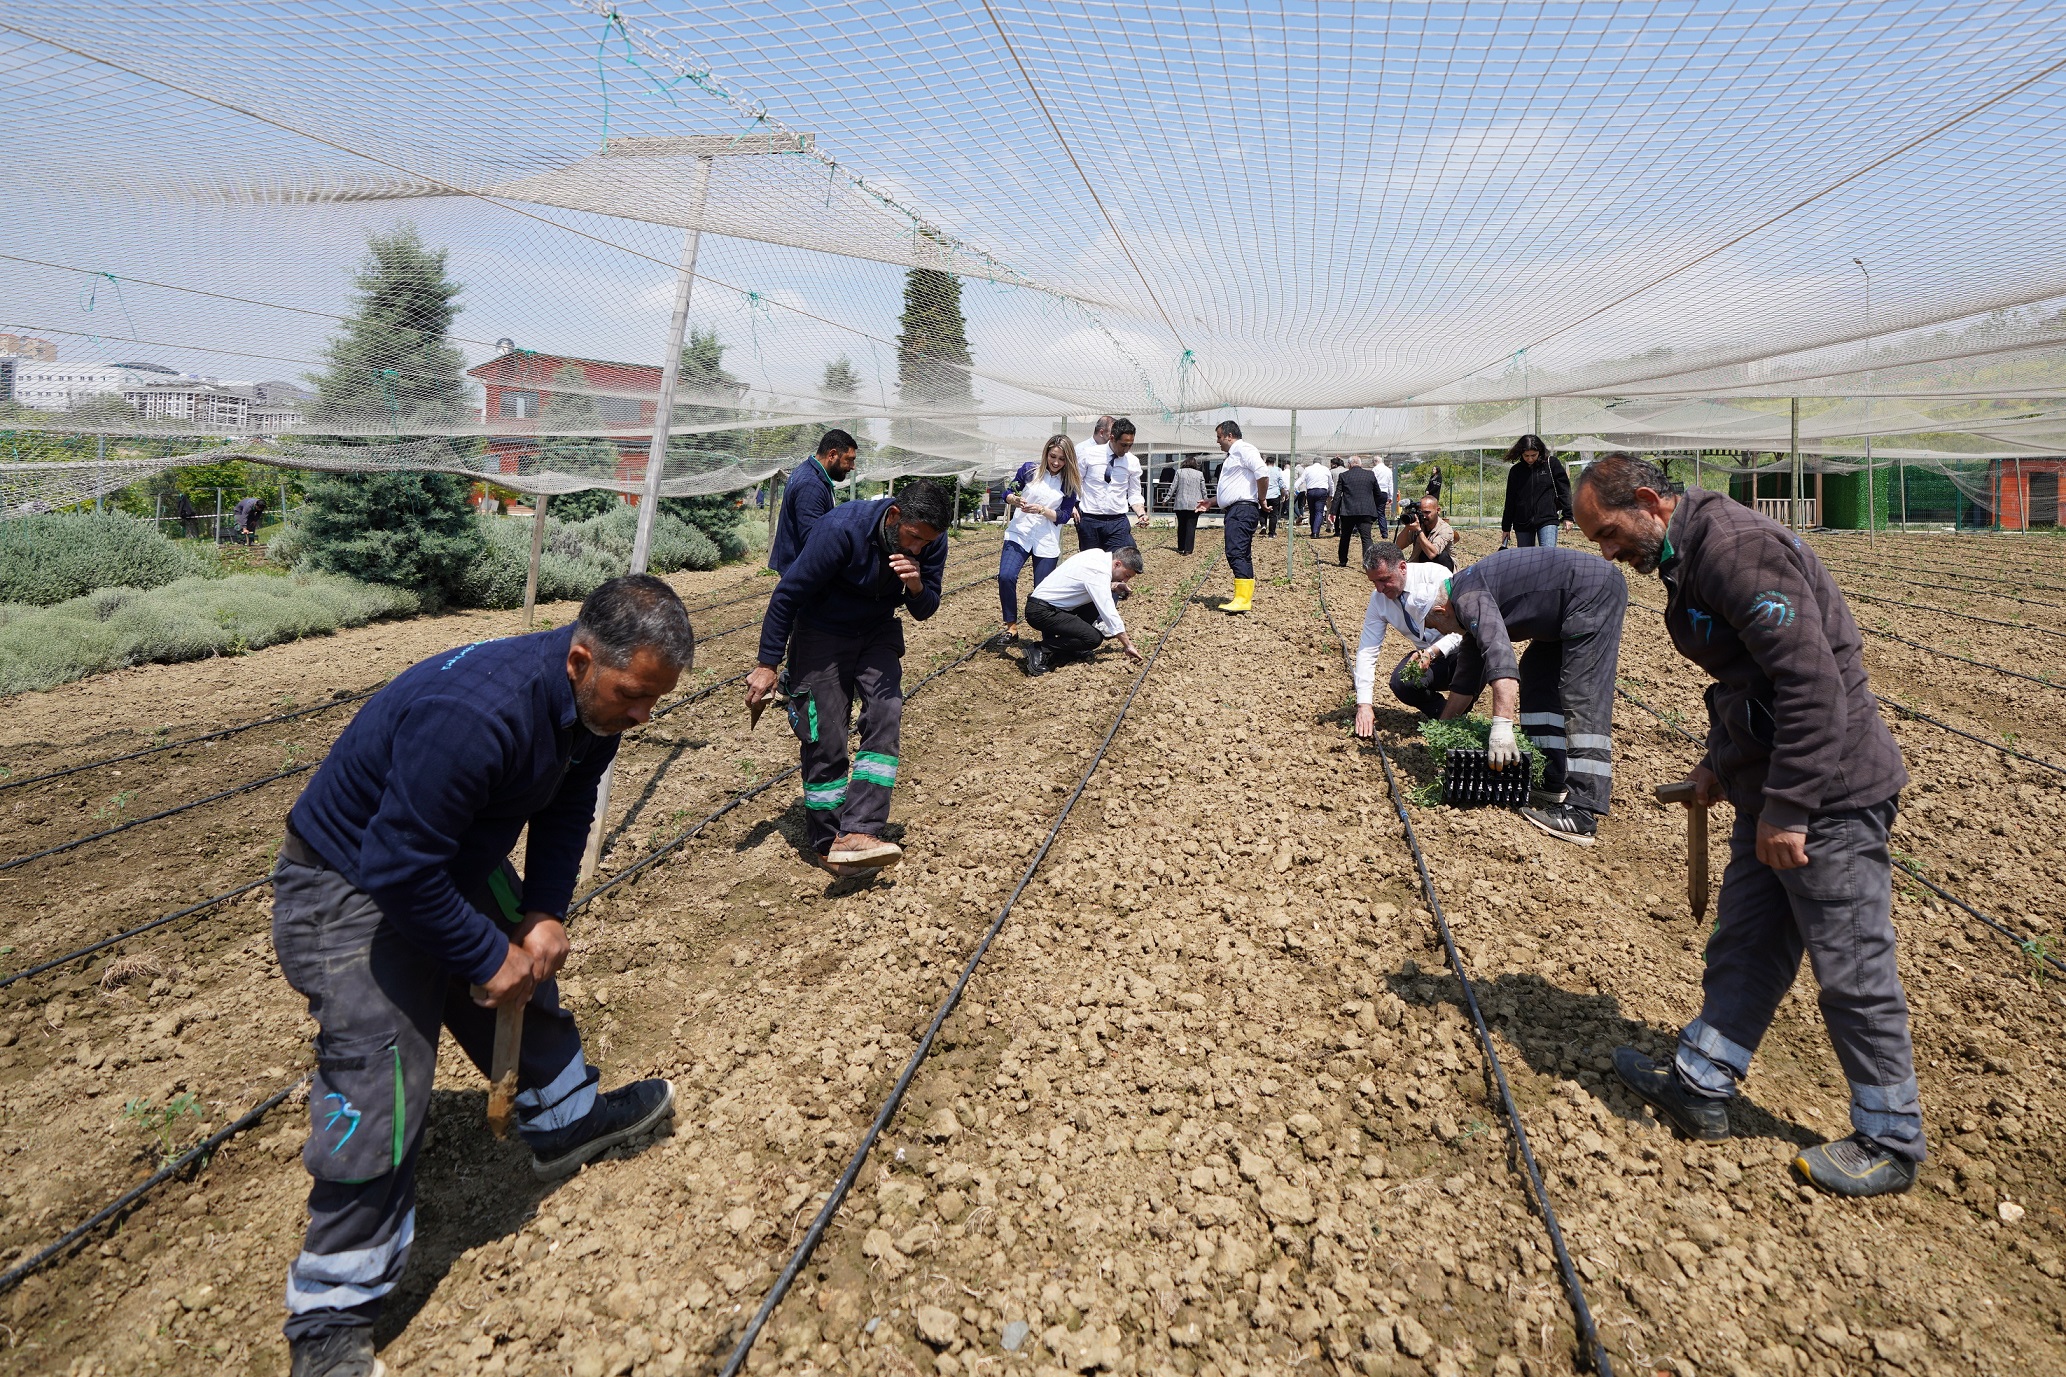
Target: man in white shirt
<point x="1110" y="477"/>
<point x="1074" y="611"/>
<point x="1388" y="486"/>
<point x="1313" y="486"/>
<point x="1241" y="485"/>
<point x="1401" y="597"/>
<point x="1273" y="475"/>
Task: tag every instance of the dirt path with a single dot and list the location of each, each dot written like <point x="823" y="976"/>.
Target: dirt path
<point x="1212" y="1106"/>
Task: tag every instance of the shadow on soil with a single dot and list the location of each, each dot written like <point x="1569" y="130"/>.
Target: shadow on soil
<point x="791" y="829"/>
<point x="1562" y="1034"/>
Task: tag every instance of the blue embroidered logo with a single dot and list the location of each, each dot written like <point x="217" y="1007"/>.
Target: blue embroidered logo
<point x="463" y="654"/>
<point x="1703" y="622"/>
<point x="344" y="1110"/>
<point x="1774" y="609"/>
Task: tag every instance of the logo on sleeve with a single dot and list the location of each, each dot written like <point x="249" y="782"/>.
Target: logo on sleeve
<point x="1773" y="609"/>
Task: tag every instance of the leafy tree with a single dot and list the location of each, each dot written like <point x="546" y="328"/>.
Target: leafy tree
<point x="392" y="369"/>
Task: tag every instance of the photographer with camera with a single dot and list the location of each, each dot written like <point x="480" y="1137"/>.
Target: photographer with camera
<point x="1426" y="537"/>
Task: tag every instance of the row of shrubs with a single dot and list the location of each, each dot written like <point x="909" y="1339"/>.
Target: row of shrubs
<point x="84" y="593"/>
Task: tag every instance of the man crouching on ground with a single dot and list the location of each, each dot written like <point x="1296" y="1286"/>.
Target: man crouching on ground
<point x="840" y="596"/>
<point x="396" y="912"/>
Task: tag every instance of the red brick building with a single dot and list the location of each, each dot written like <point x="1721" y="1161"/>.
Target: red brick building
<point x="518" y="386"/>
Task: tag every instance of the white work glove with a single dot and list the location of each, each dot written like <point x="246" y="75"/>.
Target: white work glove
<point x="1501" y="750"/>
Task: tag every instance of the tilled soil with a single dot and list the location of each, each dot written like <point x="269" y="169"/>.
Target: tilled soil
<point x="1212" y="1103"/>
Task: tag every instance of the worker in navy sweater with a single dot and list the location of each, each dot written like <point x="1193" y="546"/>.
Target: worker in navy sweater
<point x="808" y="496"/>
<point x="396" y="912"/>
<point x="835" y="612"/>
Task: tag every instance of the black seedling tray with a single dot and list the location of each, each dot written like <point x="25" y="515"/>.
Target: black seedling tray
<point x="1468" y="782"/>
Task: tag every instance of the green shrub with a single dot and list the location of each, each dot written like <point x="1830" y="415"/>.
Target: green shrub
<point x="716" y="515"/>
<point x="567" y="568"/>
<point x="188" y="620"/>
<point x="579" y="506"/>
<point x="411" y="530"/>
<point x="47" y="559"/>
<point x="676" y="544"/>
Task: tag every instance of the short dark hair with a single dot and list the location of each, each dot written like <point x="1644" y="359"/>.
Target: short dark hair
<point x="1381" y="554"/>
<point x="635" y="612"/>
<point x="1612" y="479"/>
<point x="833" y="440"/>
<point x="1130" y="557"/>
<point x="1122" y="426"/>
<point x="926" y="503"/>
<point x="1232" y="428"/>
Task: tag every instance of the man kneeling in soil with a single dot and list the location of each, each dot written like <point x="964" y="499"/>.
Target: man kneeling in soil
<point x="394" y="894"/>
<point x="840" y="597"/>
<point x="1796" y="742"/>
<point x="1074" y="610"/>
<point x="1568" y="607"/>
<point x="1401" y="597"/>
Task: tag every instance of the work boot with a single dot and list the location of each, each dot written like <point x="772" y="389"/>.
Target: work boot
<point x="617" y="1117"/>
<point x="1696" y="1116"/>
<point x="1855" y="1166"/>
<point x="866" y="852"/>
<point x="1565" y="822"/>
<point x="335" y="1353"/>
<point x="1243" y="599"/>
<point x="1038" y="661"/>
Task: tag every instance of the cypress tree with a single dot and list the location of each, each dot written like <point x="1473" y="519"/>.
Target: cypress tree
<point x="932" y="356"/>
<point x="703" y="376"/>
<point x="391" y="369"/>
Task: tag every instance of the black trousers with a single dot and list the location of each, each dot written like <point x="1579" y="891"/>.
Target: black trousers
<point x="1070" y="632"/>
<point x="1429" y="695"/>
<point x="1272" y="509"/>
<point x="1102" y="532"/>
<point x="1186" y="532"/>
<point x="1241" y="523"/>
<point x="1346" y="526"/>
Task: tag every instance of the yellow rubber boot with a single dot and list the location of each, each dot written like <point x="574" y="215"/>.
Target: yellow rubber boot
<point x="1244" y="596"/>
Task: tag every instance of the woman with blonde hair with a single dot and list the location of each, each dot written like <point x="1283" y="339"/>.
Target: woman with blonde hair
<point x="1042" y="495"/>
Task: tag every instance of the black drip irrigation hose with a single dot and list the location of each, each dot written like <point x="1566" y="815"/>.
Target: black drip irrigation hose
<point x="77" y="842"/>
<point x="1853" y="570"/>
<point x="1574" y="1290"/>
<point x="15" y="1276"/>
<point x="160" y="922"/>
<point x="1852" y="561"/>
<point x="1902" y="709"/>
<point x="2028" y="946"/>
<point x="337" y="702"/>
<point x="1966" y="616"/>
<point x="802" y="1255"/>
<point x="1966" y="659"/>
<point x="700" y="694"/>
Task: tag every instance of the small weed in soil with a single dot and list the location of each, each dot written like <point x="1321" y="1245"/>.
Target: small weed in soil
<point x="162" y="1123"/>
<point x="114" y="806"/>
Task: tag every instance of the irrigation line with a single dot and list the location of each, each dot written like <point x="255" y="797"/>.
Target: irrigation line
<point x="1967" y="659"/>
<point x="155" y="817"/>
<point x="734" y="630"/>
<point x="1865" y="573"/>
<point x="1950" y="571"/>
<point x="1574" y="1290"/>
<point x="188" y="741"/>
<point x="1903" y="709"/>
<point x="16" y="1275"/>
<point x="1966" y="616"/>
<point x="890" y="1106"/>
<point x="2028" y="947"/>
<point x="106" y="942"/>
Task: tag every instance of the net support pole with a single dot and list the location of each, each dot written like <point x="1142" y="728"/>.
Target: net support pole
<point x="1793" y="432"/>
<point x="656" y="457"/>
<point x="100" y="473"/>
<point x="283" y="503"/>
<point x="1290" y="468"/>
<point x="1538" y="426"/>
<point x="218" y="516"/>
<point x="537" y="553"/>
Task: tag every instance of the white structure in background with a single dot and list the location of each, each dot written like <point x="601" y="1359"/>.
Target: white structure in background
<point x="62" y="386"/>
<point x="157" y="393"/>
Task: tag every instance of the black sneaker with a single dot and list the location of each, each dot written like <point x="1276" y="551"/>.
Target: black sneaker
<point x="619" y="1116"/>
<point x="1543" y="798"/>
<point x="1038" y="661"/>
<point x="1855" y="1166"/>
<point x="335" y="1353"/>
<point x="1565" y="822"/>
<point x="1696" y="1116"/>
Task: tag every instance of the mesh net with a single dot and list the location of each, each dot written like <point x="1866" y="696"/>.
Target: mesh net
<point x="951" y="226"/>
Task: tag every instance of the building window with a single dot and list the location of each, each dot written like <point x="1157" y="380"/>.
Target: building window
<point x="518" y="406"/>
<point x="615" y="411"/>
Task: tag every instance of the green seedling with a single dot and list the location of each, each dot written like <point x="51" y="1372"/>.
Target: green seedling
<point x="5" y="772"/>
<point x="162" y="1123"/>
<point x="1477" y="1127"/>
<point x="114" y="806"/>
<point x="290" y="754"/>
<point x="2036" y="950"/>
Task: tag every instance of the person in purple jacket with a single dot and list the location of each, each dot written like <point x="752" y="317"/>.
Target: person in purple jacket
<point x="396" y="912"/>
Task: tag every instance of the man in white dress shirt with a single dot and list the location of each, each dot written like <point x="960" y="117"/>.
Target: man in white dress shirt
<point x="1074" y="611"/>
<point x="1110" y="477"/>
<point x="1314" y="487"/>
<point x="1400" y="598"/>
<point x="1388" y="486"/>
<point x="1240" y="489"/>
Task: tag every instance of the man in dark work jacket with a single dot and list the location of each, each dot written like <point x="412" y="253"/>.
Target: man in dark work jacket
<point x="396" y="911"/>
<point x="1357" y="502"/>
<point x="1796" y="742"/>
<point x="808" y="496"/>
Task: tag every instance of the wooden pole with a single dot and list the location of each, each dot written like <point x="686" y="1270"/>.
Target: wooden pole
<point x="537" y="553"/>
<point x="1793" y="413"/>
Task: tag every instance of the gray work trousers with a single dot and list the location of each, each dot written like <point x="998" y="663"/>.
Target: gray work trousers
<point x="379" y="1002"/>
<point x="1839" y="910"/>
<point x="828" y="673"/>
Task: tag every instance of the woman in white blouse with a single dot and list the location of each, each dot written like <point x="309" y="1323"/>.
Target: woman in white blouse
<point x="1042" y="495"/>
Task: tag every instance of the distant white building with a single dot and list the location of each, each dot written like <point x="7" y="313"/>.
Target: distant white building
<point x="157" y="393"/>
<point x="61" y="386"/>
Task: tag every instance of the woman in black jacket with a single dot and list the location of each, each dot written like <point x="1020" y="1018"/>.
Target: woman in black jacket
<point x="1538" y="495"/>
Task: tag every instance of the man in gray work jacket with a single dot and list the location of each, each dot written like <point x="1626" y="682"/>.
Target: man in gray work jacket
<point x="1796" y="742"/>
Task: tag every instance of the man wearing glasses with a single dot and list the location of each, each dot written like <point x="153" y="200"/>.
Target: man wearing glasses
<point x="1111" y="488"/>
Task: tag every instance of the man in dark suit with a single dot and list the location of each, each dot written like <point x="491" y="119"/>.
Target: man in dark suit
<point x="1357" y="501"/>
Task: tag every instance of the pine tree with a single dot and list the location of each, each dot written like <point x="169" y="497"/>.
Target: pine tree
<point x="586" y="456"/>
<point x="703" y="376"/>
<point x="390" y="370"/>
<point x="841" y="382"/>
<point x="933" y="356"/>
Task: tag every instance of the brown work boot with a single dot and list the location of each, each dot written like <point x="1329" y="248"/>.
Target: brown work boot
<point x="865" y="852"/>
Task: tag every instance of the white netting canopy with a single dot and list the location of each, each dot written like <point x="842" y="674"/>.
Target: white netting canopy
<point x="1409" y="223"/>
